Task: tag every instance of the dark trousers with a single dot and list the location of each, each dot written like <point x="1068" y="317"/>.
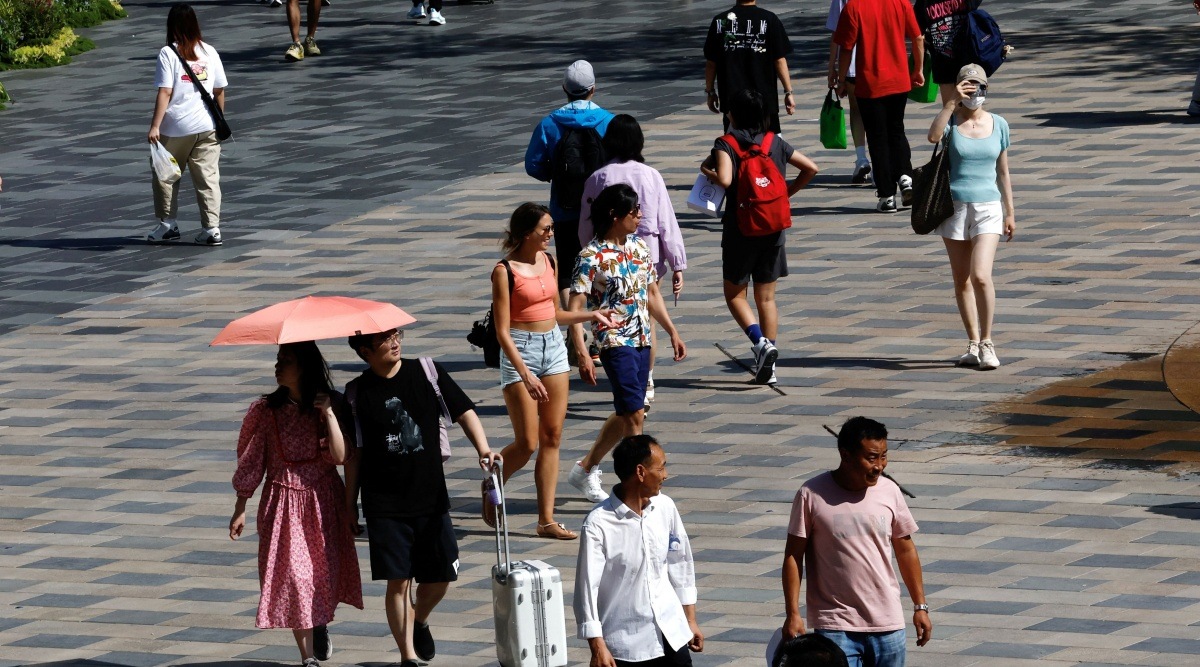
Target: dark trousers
<point x="433" y="4"/>
<point x="672" y="658"/>
<point x="883" y="120"/>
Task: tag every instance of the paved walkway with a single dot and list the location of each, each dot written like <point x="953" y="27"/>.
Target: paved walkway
<point x="1057" y="495"/>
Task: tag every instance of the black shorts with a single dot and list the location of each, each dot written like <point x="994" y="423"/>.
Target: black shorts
<point x="566" y="250"/>
<point x="422" y="548"/>
<point x="760" y="259"/>
<point x="945" y="70"/>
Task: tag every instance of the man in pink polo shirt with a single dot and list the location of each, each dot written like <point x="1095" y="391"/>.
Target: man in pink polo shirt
<point x="847" y="523"/>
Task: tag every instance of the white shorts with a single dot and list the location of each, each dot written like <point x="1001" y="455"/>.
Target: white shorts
<point x="972" y="219"/>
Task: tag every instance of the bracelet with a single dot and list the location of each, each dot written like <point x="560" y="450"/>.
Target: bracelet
<point x="786" y="93"/>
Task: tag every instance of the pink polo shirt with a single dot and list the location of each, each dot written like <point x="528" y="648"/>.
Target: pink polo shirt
<point x="851" y="584"/>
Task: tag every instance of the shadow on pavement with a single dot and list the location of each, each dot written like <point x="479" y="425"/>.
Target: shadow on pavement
<point x="1097" y="119"/>
<point x="1178" y="510"/>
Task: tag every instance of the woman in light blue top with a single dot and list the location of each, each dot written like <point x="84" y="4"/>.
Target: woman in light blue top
<point x="977" y="145"/>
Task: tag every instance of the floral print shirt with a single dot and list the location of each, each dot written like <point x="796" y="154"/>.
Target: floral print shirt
<point x="618" y="277"/>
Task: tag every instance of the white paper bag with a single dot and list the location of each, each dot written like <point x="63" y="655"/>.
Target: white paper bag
<point x="166" y="169"/>
<point x="706" y="197"/>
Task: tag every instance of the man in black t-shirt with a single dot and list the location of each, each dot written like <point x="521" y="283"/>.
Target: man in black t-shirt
<point x="747" y="47"/>
<point x="398" y="465"/>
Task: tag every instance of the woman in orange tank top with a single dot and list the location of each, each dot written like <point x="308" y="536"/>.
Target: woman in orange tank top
<point x="534" y="372"/>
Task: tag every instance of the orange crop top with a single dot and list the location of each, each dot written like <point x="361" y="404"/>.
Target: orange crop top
<point x="532" y="299"/>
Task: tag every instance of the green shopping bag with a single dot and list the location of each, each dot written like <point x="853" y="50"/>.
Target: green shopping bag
<point x="833" y="122"/>
<point x="929" y="92"/>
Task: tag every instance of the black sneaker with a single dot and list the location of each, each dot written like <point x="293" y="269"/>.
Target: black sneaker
<point x="322" y="644"/>
<point x="410" y="663"/>
<point x="861" y="171"/>
<point x="423" y="641"/>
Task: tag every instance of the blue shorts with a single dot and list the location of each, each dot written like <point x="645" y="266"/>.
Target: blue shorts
<point x="628" y="370"/>
<point x="543" y="353"/>
<point x="881" y="649"/>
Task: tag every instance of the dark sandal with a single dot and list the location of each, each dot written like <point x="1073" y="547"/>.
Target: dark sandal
<point x="556" y="531"/>
<point x="489" y="510"/>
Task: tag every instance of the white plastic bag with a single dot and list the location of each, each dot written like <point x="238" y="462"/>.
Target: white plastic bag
<point x="706" y="197"/>
<point x="166" y="169"/>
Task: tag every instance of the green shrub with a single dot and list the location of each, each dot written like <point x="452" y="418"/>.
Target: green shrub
<point x="41" y="23"/>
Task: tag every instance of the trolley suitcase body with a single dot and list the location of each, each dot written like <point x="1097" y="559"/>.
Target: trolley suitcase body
<point x="531" y="629"/>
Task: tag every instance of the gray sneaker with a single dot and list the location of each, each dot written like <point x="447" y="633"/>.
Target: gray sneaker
<point x="765" y="354"/>
<point x="209" y="237"/>
<point x="971" y="358"/>
<point x="417" y="12"/>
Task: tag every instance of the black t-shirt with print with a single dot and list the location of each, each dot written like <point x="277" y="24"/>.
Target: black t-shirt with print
<point x="400" y="471"/>
<point x="745" y="49"/>
<point x="941" y="21"/>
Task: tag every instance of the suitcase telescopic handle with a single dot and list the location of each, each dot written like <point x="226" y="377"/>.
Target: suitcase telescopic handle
<point x="496" y="497"/>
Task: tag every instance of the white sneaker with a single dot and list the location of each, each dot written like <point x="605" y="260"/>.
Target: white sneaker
<point x="209" y="237"/>
<point x="987" y="356"/>
<point x="772" y="380"/>
<point x="886" y="205"/>
<point x="971" y="358"/>
<point x="163" y="232"/>
<point x="417" y="12"/>
<point x="275" y="3"/>
<point x="765" y="354"/>
<point x="589" y="483"/>
<point x="906" y="191"/>
<point x="650" y="389"/>
<point x="436" y="18"/>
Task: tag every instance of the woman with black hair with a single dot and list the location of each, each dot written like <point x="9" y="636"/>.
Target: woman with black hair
<point x="623" y="143"/>
<point x="306" y="558"/>
<point x="183" y="125"/>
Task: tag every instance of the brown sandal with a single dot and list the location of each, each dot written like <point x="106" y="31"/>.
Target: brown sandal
<point x="556" y="531"/>
<point x="489" y="510"/>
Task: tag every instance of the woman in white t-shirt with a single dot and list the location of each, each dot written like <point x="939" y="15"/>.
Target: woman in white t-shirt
<point x="184" y="126"/>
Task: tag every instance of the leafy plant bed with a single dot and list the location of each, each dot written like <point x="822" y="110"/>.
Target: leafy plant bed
<point x="40" y="33"/>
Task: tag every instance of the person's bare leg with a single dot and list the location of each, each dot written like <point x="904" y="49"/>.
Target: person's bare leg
<point x="983" y="254"/>
<point x="428" y="596"/>
<point x="523" y="413"/>
<point x="739" y="307"/>
<point x="293" y="16"/>
<point x="768" y="311"/>
<point x="948" y="91"/>
<point x="304" y="642"/>
<point x="314" y="17"/>
<point x="551" y="416"/>
<point x="615" y="428"/>
<point x="959" y="253"/>
<point x="400" y="616"/>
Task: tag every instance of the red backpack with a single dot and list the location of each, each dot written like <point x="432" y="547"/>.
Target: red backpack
<point x="762" y="197"/>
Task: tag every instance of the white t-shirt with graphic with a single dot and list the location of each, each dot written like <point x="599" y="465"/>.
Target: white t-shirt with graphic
<point x="186" y="114"/>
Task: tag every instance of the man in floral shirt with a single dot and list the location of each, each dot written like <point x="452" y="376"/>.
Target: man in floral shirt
<point x="614" y="271"/>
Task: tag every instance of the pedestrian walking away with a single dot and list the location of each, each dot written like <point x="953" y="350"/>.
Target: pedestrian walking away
<point x="434" y="14"/>
<point x="763" y="258"/>
<point x="878" y="30"/>
<point x="746" y="49"/>
<point x="862" y="166"/>
<point x="534" y="375"/>
<point x="564" y="150"/>
<point x="658" y="227"/>
<point x="183" y="125"/>
<point x="977" y="145"/>
<point x="291" y="442"/>
<point x="941" y="22"/>
<point x="1194" y="108"/>
<point x="614" y="272"/>
<point x="635" y="583"/>
<point x="298" y="51"/>
<point x="845" y="526"/>
<point x="398" y="406"/>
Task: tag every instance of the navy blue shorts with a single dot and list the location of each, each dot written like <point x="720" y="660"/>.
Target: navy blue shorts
<point x="628" y="370"/>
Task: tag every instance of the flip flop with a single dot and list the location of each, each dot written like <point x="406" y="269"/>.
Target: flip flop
<point x="555" y="531"/>
<point x="489" y="510"/>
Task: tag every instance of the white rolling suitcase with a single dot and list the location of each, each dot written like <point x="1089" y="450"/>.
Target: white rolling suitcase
<point x="531" y="630"/>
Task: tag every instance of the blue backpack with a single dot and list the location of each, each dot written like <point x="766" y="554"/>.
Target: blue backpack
<point x="980" y="42"/>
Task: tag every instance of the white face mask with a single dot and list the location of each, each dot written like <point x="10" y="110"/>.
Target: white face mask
<point x="974" y="101"/>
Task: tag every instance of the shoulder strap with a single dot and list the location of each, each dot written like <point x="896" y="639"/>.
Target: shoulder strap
<point x="734" y="145"/>
<point x="352" y="399"/>
<point x="550" y="258"/>
<point x="431" y="374"/>
<point x="512" y="282"/>
<point x="766" y="143"/>
<point x="209" y="102"/>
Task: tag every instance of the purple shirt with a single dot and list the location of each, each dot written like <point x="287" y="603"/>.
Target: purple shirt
<point x="658" y="227"/>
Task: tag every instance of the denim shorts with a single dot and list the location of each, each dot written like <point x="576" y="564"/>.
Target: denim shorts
<point x="881" y="649"/>
<point x="543" y="353"/>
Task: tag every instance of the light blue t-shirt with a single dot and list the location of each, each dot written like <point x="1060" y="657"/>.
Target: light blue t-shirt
<point x="973" y="163"/>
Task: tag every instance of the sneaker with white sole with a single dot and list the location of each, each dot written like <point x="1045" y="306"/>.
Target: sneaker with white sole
<point x="861" y="171"/>
<point x="294" y="53"/>
<point x="988" y="360"/>
<point x="310" y="47"/>
<point x="906" y="191"/>
<point x="275" y="3"/>
<point x="209" y="237"/>
<point x="886" y="205"/>
<point x="417" y="12"/>
<point x="589" y="483"/>
<point x="971" y="358"/>
<point x="765" y="354"/>
<point x="650" y="388"/>
<point x="436" y="18"/>
<point x="163" y="232"/>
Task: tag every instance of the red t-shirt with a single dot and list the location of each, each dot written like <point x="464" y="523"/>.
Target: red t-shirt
<point x="878" y="28"/>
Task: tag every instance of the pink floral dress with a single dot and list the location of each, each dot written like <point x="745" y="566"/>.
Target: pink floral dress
<point x="307" y="563"/>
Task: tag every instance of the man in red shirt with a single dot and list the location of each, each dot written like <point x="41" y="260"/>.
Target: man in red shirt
<point x="878" y="29"/>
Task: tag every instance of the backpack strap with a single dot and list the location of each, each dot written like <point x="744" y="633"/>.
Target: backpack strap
<point x="431" y="374"/>
<point x="512" y="284"/>
<point x="352" y="399"/>
<point x="734" y="145"/>
<point x="550" y="258"/>
<point x="766" y="143"/>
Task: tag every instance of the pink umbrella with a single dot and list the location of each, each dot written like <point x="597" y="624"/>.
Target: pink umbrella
<point x="312" y="318"/>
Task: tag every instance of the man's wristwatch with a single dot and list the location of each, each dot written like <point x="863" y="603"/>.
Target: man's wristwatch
<point x="921" y="607"/>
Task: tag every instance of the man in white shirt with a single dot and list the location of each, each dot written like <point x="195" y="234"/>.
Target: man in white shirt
<point x="635" y="583"/>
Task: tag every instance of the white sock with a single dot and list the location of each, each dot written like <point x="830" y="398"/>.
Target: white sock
<point x="169" y="223"/>
<point x="860" y="153"/>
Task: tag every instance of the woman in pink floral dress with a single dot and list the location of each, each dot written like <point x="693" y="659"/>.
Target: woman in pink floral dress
<point x="307" y="563"/>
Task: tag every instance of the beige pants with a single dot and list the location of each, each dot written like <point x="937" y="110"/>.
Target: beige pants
<point x="199" y="154"/>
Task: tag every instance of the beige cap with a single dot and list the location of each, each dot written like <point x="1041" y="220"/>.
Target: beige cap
<point x="972" y="72"/>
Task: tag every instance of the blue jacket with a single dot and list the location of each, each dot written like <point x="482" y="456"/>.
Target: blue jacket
<point x="539" y="157"/>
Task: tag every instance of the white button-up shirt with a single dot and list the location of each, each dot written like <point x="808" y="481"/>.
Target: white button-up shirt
<point x="634" y="576"/>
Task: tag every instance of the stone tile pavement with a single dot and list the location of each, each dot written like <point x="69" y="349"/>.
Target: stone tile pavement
<point x="1057" y="495"/>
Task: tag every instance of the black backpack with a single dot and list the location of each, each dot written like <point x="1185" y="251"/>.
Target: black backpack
<point x="579" y="153"/>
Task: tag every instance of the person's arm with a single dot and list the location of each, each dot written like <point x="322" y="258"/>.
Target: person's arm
<point x="251" y="465"/>
<point x="1006" y="195"/>
<point x="587" y="370"/>
<point x="722" y="172"/>
<point x="835" y="52"/>
<point x="473" y="428"/>
<point x="793" y="571"/>
<point x="537" y="155"/>
<point x="219" y="98"/>
<point x="502" y="317"/>
<point x="161" y="102"/>
<point x="938" y="129"/>
<point x="781" y="72"/>
<point x="658" y="311"/>
<point x="710" y="86"/>
<point x="918" y="58"/>
<point x="681" y="572"/>
<point x="572" y="319"/>
<point x="910" y="571"/>
<point x="351" y="470"/>
<point x="334" y="438"/>
<point x="670" y="238"/>
<point x="807" y="170"/>
<point x="589" y="568"/>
